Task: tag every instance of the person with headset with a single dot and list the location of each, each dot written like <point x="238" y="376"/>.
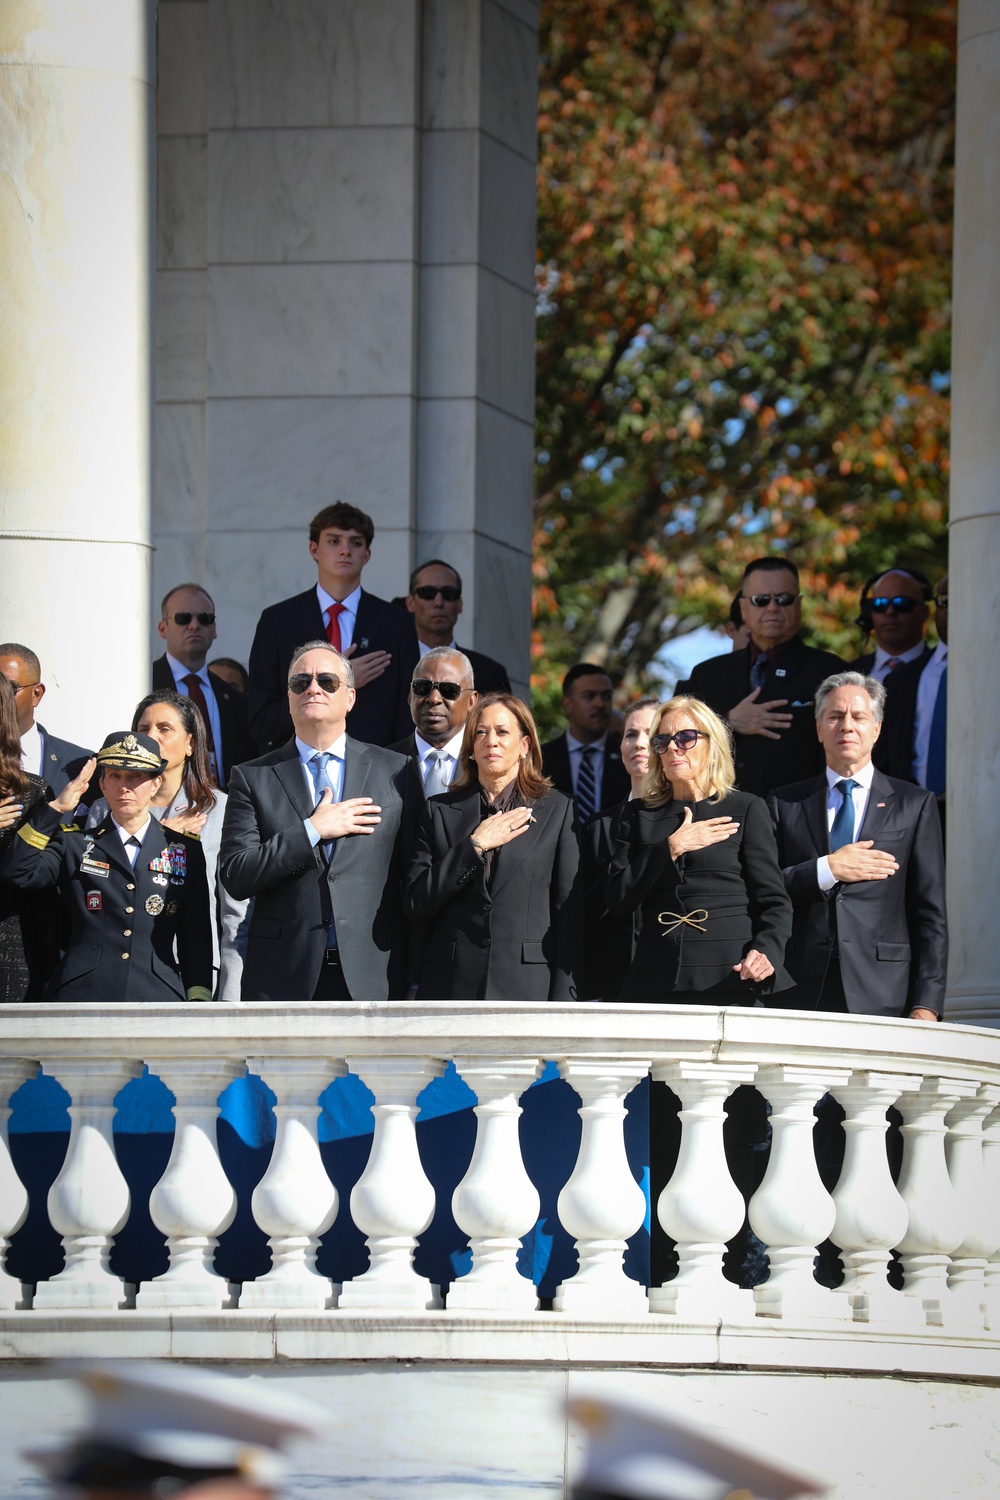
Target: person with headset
<point x="894" y="606"/>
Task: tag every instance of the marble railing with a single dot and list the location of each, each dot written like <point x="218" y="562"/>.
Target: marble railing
<point x="941" y="1217"/>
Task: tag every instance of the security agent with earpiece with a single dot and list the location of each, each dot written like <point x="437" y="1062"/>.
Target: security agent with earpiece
<point x="134" y="893"/>
<point x="894" y="605"/>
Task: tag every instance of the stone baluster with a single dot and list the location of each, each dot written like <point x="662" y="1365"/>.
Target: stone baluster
<point x="701" y="1207"/>
<point x="871" y="1215"/>
<point x="392" y="1200"/>
<point x="193" y="1202"/>
<point x="13" y="1195"/>
<point x="295" y="1201"/>
<point x="936" y="1221"/>
<point x="602" y="1204"/>
<point x="991" y="1167"/>
<point x="791" y="1211"/>
<point x="89" y="1201"/>
<point x="496" y="1202"/>
<point x="964" y="1150"/>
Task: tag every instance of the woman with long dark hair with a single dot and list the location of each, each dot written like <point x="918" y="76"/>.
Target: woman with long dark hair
<point x="495" y="875"/>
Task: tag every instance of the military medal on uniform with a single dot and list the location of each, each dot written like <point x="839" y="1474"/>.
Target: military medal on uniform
<point x="154" y="904"/>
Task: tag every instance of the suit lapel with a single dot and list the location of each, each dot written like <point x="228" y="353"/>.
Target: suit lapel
<point x="357" y="766"/>
<point x="880" y="800"/>
<point x="364" y="623"/>
<point x="292" y="778"/>
<point x="107" y="843"/>
<point x="814" y="812"/>
<point x="514" y="854"/>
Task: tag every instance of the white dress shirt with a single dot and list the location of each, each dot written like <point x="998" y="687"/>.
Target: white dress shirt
<point x="450" y="750"/>
<point x="880" y="668"/>
<point x="927" y="691"/>
<point x="139" y="833"/>
<point x="859" y="797"/>
<point x="31" y="751"/>
<point x="348" y="619"/>
<point x="597" y="760"/>
<point x="333" y="776"/>
<point x="180" y="671"/>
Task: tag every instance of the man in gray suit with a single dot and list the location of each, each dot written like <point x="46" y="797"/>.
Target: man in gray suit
<point x="317" y="832"/>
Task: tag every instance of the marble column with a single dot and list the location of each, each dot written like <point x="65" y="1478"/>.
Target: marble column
<point x="76" y="323"/>
<point x="974" y="714"/>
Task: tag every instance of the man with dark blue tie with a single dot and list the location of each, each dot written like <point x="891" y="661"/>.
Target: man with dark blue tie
<point x="863" y="862"/>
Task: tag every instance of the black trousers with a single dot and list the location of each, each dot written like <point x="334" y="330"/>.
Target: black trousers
<point x="331" y="984"/>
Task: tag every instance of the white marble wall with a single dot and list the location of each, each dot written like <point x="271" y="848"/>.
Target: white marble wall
<point x="345" y="252"/>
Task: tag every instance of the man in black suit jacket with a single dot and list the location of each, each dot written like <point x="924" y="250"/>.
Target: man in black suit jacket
<point x="863" y="863"/>
<point x="435" y="603"/>
<point x="187" y="625"/>
<point x="904" y="746"/>
<point x="765" y="692"/>
<point x="43" y="754"/>
<point x="376" y="636"/>
<point x="440" y="708"/>
<point x="587" y="692"/>
<point x="894" y="606"/>
<point x="317" y="832"/>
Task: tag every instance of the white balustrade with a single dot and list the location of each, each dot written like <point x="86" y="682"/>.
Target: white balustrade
<point x="964" y="1150"/>
<point x="991" y="1167"/>
<point x="871" y="1215"/>
<point x="936" y="1224"/>
<point x="791" y="1211"/>
<point x="89" y="1201"/>
<point x="496" y="1202"/>
<point x="393" y="1200"/>
<point x="193" y="1202"/>
<point x="295" y="1202"/>
<point x="13" y="1195"/>
<point x="701" y="1207"/>
<point x="602" y="1205"/>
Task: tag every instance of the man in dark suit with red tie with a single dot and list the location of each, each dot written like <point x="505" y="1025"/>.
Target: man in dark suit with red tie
<point x="377" y="637"/>
<point x="863" y="862"/>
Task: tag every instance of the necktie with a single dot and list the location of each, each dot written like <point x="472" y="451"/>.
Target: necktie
<point x="333" y="626"/>
<point x="132" y="847"/>
<point x="586" y="786"/>
<point x="937" y="749"/>
<point x="193" y="684"/>
<point x="892" y="663"/>
<point x="319" y="763"/>
<point x="842" y="831"/>
<point x="437" y="779"/>
<point x="758" y="672"/>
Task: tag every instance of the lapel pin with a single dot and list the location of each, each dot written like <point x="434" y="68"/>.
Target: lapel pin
<point x="880" y="804"/>
<point x="364" y="643"/>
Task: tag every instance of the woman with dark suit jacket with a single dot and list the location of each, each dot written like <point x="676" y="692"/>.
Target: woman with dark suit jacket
<point x="700" y="864"/>
<point x="495" y="875"/>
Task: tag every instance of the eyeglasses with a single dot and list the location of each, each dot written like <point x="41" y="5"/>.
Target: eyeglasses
<point x="761" y="601"/>
<point x="19" y="687"/>
<point x="450" y="691"/>
<point x="683" y="739"/>
<point x="328" y="681"/>
<point x="428" y="592"/>
<point x="901" y="603"/>
<point x="941" y="600"/>
<point x="185" y="616"/>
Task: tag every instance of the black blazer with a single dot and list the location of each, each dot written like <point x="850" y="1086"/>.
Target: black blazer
<point x="266" y="854"/>
<point x="615" y="782"/>
<point x="123" y="923"/>
<point x="891" y="935"/>
<point x="517" y="939"/>
<point x="488" y="676"/>
<point x="61" y="760"/>
<point x="381" y="713"/>
<point x="737" y="882"/>
<point x="761" y="764"/>
<point x="867" y="661"/>
<point x="237" y="743"/>
<point x="893" y="752"/>
<point x="609" y="937"/>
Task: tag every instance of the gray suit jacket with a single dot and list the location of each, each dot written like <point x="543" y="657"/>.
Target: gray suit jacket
<point x="266" y="854"/>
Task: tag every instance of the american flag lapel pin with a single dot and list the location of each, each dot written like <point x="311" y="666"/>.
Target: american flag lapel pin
<point x="880" y="804"/>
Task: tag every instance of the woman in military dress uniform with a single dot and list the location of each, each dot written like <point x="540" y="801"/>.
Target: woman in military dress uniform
<point x="135" y="895"/>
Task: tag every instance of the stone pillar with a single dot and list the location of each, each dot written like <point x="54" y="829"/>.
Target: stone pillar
<point x="76" y="223"/>
<point x="973" y="708"/>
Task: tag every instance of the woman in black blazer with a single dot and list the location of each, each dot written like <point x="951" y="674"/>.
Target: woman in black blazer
<point x="700" y="863"/>
<point x="494" y="880"/>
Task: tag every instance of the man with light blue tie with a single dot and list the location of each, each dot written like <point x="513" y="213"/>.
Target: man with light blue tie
<point x="318" y="832"/>
<point x="863" y="862"/>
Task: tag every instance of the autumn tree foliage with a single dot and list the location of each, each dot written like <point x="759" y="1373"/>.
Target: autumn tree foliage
<point x="743" y="315"/>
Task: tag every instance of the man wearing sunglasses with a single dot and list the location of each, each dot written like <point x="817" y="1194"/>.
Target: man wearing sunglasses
<point x="914" y="743"/>
<point x="435" y="602"/>
<point x="319" y="832"/>
<point x="894" y="606"/>
<point x="187" y="625"/>
<point x="441" y="699"/>
<point x="765" y="692"/>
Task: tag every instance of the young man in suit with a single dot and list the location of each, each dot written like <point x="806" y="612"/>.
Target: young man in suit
<point x="894" y="606"/>
<point x="435" y="602"/>
<point x="187" y="625"/>
<point x="441" y="699"/>
<point x="376" y="636"/>
<point x="863" y="862"/>
<point x="43" y="754"/>
<point x="585" y="761"/>
<point x="765" y="692"/>
<point x="318" y="832"/>
<point x="912" y="747"/>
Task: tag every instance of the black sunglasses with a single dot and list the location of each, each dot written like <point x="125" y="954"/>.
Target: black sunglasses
<point x="423" y="687"/>
<point x="683" y="739"/>
<point x="185" y="616"/>
<point x="449" y="593"/>
<point x="901" y="603"/>
<point x="328" y="681"/>
<point x="761" y="601"/>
